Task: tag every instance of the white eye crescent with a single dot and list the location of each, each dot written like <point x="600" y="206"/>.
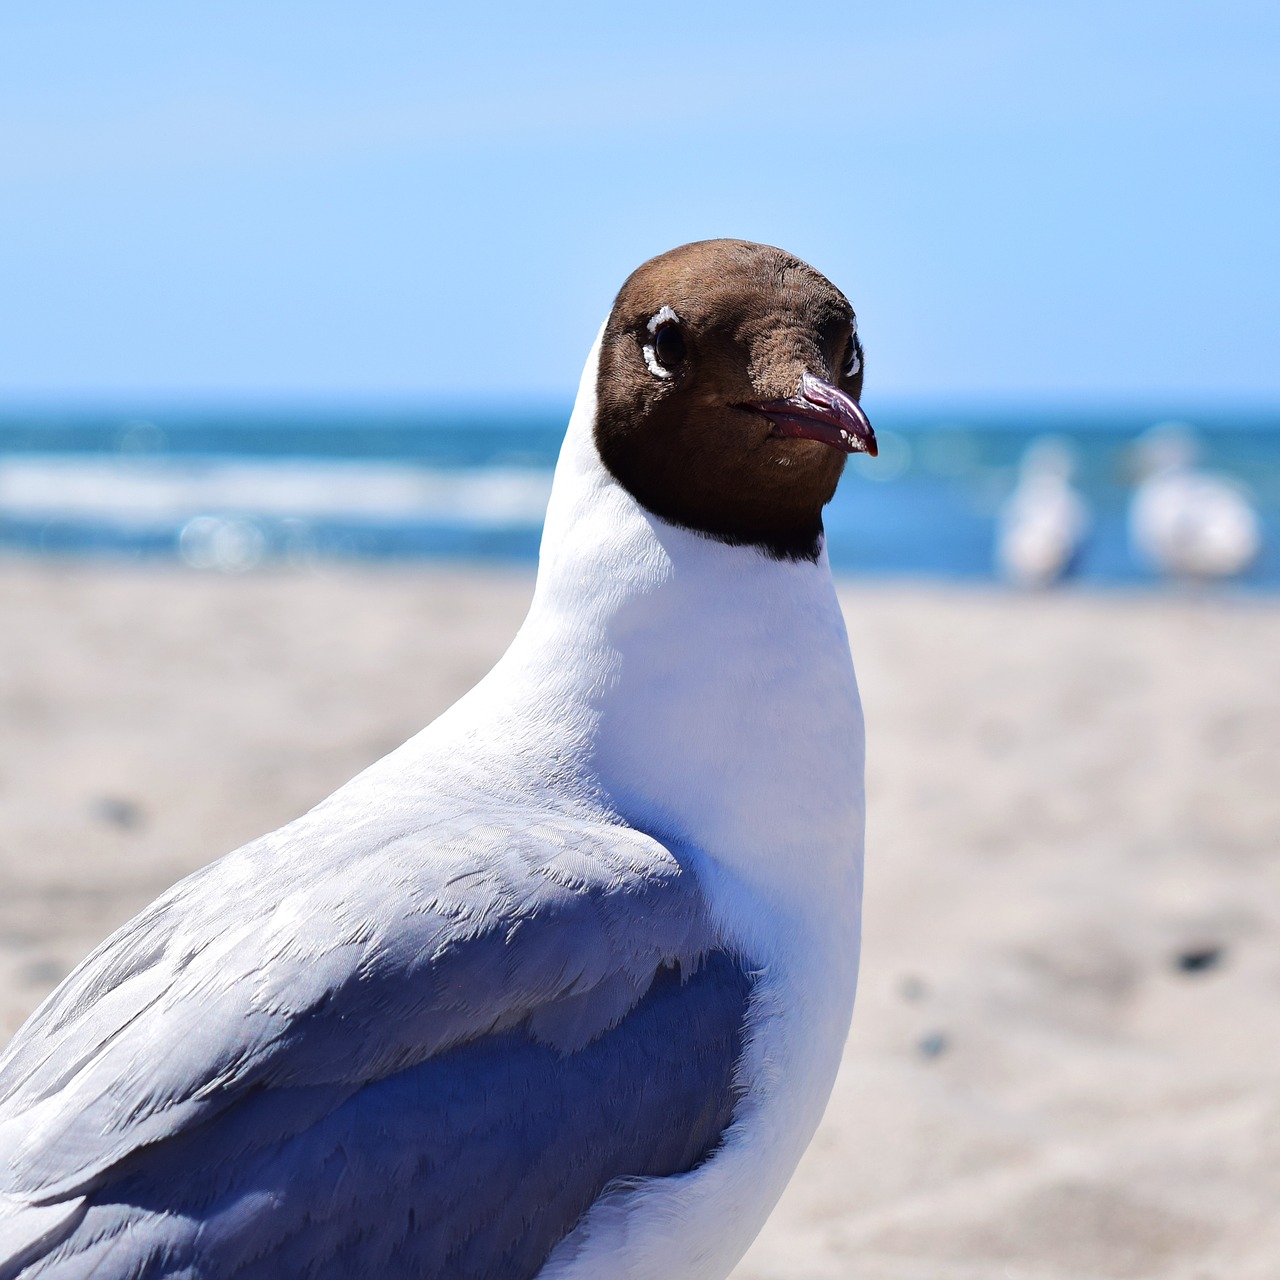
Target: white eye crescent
<point x="854" y="363"/>
<point x="663" y="319"/>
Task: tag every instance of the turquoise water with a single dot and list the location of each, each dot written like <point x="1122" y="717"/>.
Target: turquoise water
<point x="235" y="489"/>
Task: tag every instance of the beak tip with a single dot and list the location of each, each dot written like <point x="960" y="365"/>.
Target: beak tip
<point x="821" y="411"/>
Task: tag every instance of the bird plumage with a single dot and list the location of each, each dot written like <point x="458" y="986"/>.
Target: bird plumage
<point x="314" y="1098"/>
<point x="1043" y="523"/>
<point x="1185" y="522"/>
<point x="558" y="988"/>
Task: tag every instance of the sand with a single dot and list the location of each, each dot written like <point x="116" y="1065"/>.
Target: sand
<point x="1065" y="1061"/>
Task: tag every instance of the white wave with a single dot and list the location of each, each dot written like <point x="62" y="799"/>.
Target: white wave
<point x="150" y="493"/>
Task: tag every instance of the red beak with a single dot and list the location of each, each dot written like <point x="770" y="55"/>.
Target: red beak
<point x="819" y="411"/>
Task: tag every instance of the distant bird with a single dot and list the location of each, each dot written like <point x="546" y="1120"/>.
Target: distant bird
<point x="558" y="988"/>
<point x="1187" y="523"/>
<point x="1042" y="526"/>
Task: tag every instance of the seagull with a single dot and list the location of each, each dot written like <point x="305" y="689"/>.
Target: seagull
<point x="558" y="988"/>
<point x="1184" y="522"/>
<point x="1043" y="524"/>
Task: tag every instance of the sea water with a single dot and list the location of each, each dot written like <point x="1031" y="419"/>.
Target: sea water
<point x="232" y="489"/>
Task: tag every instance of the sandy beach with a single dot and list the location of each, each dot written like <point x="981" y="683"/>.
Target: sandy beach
<point x="1063" y="1064"/>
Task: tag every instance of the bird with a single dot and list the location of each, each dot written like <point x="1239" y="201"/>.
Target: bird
<point x="1186" y="523"/>
<point x="558" y="988"/>
<point x="1042" y="525"/>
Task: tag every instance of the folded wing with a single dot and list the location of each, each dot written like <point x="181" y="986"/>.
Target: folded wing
<point x="393" y="1049"/>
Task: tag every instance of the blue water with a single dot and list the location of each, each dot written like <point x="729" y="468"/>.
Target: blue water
<point x="236" y="489"/>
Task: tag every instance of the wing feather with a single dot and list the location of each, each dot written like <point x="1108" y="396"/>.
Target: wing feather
<point x="440" y="1013"/>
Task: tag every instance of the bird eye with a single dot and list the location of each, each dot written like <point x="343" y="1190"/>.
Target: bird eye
<point x="852" y="359"/>
<point x="668" y="345"/>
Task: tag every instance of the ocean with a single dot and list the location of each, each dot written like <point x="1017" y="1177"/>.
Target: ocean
<point x="233" y="490"/>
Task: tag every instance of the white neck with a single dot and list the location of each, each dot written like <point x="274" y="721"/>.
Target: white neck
<point x="703" y="692"/>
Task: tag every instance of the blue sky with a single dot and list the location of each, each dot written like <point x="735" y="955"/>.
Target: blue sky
<point x="272" y="199"/>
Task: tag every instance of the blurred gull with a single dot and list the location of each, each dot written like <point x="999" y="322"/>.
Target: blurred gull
<point x="1042" y="525"/>
<point x="1187" y="523"/>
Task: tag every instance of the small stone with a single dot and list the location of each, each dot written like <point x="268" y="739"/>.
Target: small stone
<point x="43" y="973"/>
<point x="1199" y="958"/>
<point x="913" y="988"/>
<point x="116" y="811"/>
<point x="934" y="1044"/>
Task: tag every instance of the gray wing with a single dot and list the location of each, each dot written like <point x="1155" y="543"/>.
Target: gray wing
<point x="369" y="1039"/>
